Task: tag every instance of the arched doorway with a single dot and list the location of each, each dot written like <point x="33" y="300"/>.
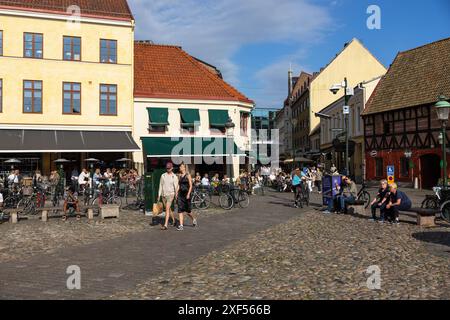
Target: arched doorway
<point x="430" y="165"/>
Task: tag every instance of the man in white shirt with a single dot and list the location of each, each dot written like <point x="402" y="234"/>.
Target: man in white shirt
<point x="168" y="189"/>
<point x="84" y="178"/>
<point x="1" y="200"/>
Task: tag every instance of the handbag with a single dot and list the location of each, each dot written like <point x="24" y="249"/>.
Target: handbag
<point x="157" y="208"/>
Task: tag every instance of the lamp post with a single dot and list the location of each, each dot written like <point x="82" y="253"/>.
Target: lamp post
<point x="334" y="89"/>
<point x="229" y="127"/>
<point x="443" y="110"/>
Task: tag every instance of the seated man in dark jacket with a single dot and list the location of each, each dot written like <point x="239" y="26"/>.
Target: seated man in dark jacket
<point x="398" y="201"/>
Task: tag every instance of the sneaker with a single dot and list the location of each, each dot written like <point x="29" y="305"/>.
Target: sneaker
<point x="381" y="221"/>
<point x="327" y="212"/>
<point x="397" y="222"/>
<point x="194" y="223"/>
<point x="296" y="206"/>
<point x="180" y="228"/>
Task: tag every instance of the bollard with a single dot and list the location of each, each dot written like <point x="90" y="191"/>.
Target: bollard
<point x="44" y="216"/>
<point x="14" y="217"/>
<point x="90" y="214"/>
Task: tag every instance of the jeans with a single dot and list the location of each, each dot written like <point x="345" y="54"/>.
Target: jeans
<point x="343" y="200"/>
<point x="382" y="207"/>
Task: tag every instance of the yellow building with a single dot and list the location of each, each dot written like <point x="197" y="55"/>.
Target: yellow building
<point x="66" y="82"/>
<point x="355" y="63"/>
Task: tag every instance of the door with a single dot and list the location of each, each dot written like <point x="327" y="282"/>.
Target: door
<point x="430" y="170"/>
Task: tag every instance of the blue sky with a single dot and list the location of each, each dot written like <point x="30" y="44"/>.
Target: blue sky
<point x="254" y="42"/>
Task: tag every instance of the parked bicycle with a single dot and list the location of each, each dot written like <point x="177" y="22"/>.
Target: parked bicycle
<point x="201" y="198"/>
<point x="33" y="198"/>
<point x="439" y="201"/>
<point x="234" y="196"/>
<point x="364" y="195"/>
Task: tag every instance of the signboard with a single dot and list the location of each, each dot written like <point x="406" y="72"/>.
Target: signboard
<point x="329" y="188"/>
<point x="346" y="110"/>
<point x="390" y="174"/>
<point x="373" y="153"/>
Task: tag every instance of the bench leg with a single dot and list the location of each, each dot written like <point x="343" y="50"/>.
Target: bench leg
<point x="90" y="214"/>
<point x="426" y="221"/>
<point x="44" y="216"/>
<point x="13" y="217"/>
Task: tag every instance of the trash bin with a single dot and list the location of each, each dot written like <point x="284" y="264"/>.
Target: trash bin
<point x="151" y="188"/>
<point x="328" y="189"/>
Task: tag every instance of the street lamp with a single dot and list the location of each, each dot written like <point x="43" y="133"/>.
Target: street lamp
<point x="443" y="111"/>
<point x="335" y="89"/>
<point x="229" y="127"/>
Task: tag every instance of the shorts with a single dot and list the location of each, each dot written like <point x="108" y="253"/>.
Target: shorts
<point x="184" y="205"/>
<point x="168" y="200"/>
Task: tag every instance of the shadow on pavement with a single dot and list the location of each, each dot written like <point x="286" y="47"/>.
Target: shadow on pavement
<point x="435" y="237"/>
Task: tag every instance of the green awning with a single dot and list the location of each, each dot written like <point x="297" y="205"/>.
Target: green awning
<point x="189" y="117"/>
<point x="218" y="118"/>
<point x="188" y="147"/>
<point x="158" y="116"/>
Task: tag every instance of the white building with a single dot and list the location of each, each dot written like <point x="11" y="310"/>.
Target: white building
<point x="330" y="129"/>
<point x="180" y="110"/>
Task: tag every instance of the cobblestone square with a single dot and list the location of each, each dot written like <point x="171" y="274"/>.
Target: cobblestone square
<point x="268" y="251"/>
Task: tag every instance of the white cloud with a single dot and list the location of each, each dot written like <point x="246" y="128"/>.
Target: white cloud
<point x="214" y="30"/>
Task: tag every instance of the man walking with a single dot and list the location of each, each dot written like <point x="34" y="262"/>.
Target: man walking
<point x="168" y="189"/>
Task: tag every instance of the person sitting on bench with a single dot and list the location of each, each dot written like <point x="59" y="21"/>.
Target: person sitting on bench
<point x="398" y="201"/>
<point x="71" y="201"/>
<point x="380" y="201"/>
<point x="348" y="194"/>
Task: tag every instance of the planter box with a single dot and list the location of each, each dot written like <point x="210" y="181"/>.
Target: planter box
<point x="109" y="211"/>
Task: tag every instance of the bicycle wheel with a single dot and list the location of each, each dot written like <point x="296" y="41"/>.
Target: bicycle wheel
<point x="243" y="199"/>
<point x="205" y="200"/>
<point x="430" y="204"/>
<point x="10" y="202"/>
<point x="445" y="211"/>
<point x="25" y="207"/>
<point x="365" y="196"/>
<point x="226" y="201"/>
<point x="115" y="200"/>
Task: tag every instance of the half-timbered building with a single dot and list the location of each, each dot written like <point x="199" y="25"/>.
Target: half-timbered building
<point x="401" y="127"/>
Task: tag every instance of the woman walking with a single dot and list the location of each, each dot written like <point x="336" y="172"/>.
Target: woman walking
<point x="184" y="197"/>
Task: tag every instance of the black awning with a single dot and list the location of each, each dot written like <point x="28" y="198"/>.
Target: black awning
<point x="16" y="140"/>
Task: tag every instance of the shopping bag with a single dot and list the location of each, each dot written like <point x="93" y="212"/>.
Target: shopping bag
<point x="157" y="208"/>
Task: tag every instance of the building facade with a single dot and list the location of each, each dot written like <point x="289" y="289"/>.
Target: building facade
<point x="66" y="83"/>
<point x="401" y="125"/>
<point x="355" y="63"/>
<point x="300" y="105"/>
<point x="181" y="108"/>
<point x="333" y="127"/>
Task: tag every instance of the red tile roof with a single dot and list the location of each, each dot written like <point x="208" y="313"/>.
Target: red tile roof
<point x="416" y="77"/>
<point x="117" y="9"/>
<point x="162" y="71"/>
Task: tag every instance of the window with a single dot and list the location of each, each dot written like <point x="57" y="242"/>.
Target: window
<point x="33" y="45"/>
<point x="108" y="99"/>
<point x="71" y="98"/>
<point x="32" y="96"/>
<point x="404" y="167"/>
<point x="108" y="51"/>
<point x="379" y="167"/>
<point x="244" y="123"/>
<point x="1" y="95"/>
<point x="72" y="48"/>
<point x="1" y="42"/>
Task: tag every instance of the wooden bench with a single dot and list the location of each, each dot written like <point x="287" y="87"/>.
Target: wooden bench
<point x="425" y="217"/>
<point x="358" y="206"/>
<point x="45" y="210"/>
<point x="13" y="215"/>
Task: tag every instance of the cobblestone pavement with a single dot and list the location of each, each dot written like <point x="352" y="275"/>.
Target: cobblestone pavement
<point x="268" y="251"/>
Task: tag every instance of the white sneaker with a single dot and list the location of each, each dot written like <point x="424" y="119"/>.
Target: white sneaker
<point x="194" y="223"/>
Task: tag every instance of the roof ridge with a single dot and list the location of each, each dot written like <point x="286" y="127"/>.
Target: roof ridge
<point x="219" y="81"/>
<point x="151" y="43"/>
<point x="425" y="45"/>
